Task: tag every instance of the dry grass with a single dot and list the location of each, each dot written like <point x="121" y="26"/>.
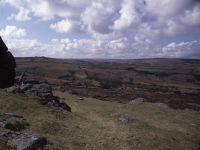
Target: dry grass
<point x="94" y="124"/>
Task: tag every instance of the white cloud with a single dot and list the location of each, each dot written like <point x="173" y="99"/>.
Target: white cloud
<point x="126" y="28"/>
<point x="67" y="26"/>
<point x="191" y="17"/>
<point x="15" y="39"/>
<point x="47" y="10"/>
<point x="98" y="16"/>
<point x="12" y="32"/>
<point x="183" y="49"/>
<point x="173" y="17"/>
<point x="139" y="47"/>
<point x="22" y="15"/>
<point x="121" y="48"/>
<point x="129" y="15"/>
<point x="166" y="17"/>
<point x="41" y="9"/>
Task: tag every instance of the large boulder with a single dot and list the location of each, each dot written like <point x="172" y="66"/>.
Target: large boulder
<point x="7" y="66"/>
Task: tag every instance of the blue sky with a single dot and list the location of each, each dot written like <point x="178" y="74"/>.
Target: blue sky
<point x="101" y="28"/>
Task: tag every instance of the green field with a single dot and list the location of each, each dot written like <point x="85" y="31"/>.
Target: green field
<point x="95" y="125"/>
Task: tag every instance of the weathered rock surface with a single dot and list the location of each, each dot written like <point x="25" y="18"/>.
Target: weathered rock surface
<point x="13" y="122"/>
<point x="13" y="89"/>
<point x="137" y="101"/>
<point x="42" y="90"/>
<point x="59" y="102"/>
<point x="126" y="119"/>
<point x="25" y="141"/>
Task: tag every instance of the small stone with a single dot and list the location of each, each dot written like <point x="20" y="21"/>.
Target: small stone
<point x="25" y="87"/>
<point x="126" y="119"/>
<point x="137" y="101"/>
<point x="13" y="89"/>
<point x="81" y="99"/>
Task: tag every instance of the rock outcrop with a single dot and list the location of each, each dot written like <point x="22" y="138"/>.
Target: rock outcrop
<point x="39" y="89"/>
<point x="7" y="66"/>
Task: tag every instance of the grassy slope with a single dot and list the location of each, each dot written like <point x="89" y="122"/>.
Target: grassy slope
<point x="94" y="124"/>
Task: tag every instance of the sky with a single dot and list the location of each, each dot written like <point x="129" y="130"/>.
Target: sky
<point x="108" y="29"/>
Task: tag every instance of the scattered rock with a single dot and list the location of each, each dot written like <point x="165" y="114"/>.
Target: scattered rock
<point x="25" y="87"/>
<point x="13" y="122"/>
<point x="40" y="89"/>
<point x="81" y="99"/>
<point x="126" y="119"/>
<point x="15" y="139"/>
<point x="59" y="102"/>
<point x="16" y="125"/>
<point x="137" y="101"/>
<point x="24" y="141"/>
<point x="34" y="81"/>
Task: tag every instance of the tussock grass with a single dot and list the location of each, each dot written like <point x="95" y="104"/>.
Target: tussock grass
<point x="95" y="125"/>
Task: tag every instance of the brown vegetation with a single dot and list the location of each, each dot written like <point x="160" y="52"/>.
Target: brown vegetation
<point x="171" y="81"/>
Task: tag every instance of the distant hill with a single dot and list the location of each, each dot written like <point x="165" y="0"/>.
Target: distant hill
<point x="175" y="82"/>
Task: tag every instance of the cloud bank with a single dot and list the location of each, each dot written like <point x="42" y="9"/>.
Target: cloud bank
<point x="116" y="29"/>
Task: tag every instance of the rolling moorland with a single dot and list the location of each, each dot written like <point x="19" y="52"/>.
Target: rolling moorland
<point x="105" y="113"/>
<point x="175" y="82"/>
